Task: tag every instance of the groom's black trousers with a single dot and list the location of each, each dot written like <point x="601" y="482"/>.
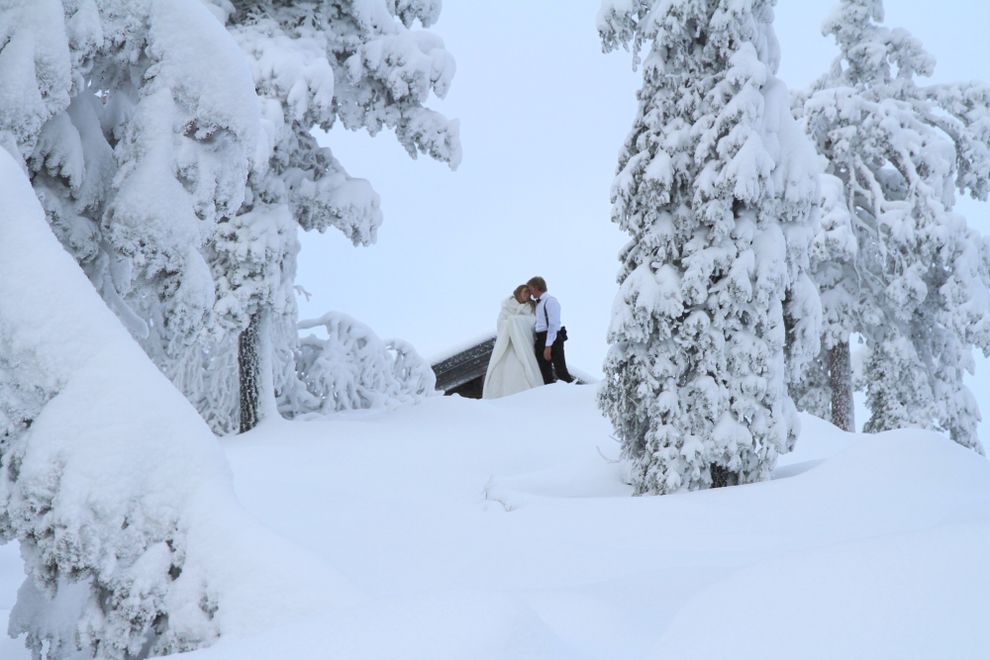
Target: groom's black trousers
<point x="557" y="362"/>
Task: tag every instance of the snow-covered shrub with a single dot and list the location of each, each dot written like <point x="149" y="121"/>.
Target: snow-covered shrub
<point x="894" y="262"/>
<point x="353" y="369"/>
<point x="718" y="190"/>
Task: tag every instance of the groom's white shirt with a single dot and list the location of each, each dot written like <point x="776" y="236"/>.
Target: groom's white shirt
<point x="552" y="307"/>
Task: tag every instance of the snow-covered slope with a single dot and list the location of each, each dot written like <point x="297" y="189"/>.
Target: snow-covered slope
<point x="499" y="529"/>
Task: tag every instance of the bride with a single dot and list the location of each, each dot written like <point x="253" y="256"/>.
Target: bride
<point x="513" y="365"/>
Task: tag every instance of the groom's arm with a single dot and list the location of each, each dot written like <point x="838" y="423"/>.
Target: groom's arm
<point x="553" y="320"/>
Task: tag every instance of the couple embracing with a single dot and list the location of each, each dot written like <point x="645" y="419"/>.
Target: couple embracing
<point x="529" y="346"/>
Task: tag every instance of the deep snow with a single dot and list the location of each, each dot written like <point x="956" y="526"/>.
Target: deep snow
<point x="499" y="529"/>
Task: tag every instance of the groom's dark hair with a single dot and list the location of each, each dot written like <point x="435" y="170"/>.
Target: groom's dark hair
<point x="537" y="283"/>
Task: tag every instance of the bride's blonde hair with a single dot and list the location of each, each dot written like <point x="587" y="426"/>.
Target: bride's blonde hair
<point x="515" y="295"/>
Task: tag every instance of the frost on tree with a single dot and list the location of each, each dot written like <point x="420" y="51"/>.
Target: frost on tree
<point x="718" y="190"/>
<point x="353" y="369"/>
<point x="825" y="387"/>
<point x="895" y="264"/>
<point x="171" y="146"/>
<point x="315" y="63"/>
<point x="139" y="154"/>
<point x="99" y="460"/>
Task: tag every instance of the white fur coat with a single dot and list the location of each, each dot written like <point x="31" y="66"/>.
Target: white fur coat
<point x="513" y="365"/>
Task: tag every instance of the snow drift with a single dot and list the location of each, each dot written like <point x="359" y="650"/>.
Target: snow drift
<point x="496" y="529"/>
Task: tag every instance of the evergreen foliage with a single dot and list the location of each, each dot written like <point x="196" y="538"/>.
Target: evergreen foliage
<point x="895" y="263"/>
<point x="718" y="190"/>
<point x="172" y="146"/>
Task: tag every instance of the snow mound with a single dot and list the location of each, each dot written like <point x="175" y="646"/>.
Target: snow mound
<point x="900" y="596"/>
<point x="504" y="529"/>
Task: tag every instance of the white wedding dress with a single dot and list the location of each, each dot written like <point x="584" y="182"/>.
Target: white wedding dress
<point x="513" y="365"/>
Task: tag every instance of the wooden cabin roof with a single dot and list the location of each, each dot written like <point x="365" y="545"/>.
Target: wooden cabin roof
<point x="464" y="366"/>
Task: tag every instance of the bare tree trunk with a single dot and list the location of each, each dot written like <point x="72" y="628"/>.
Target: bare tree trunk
<point x="840" y="382"/>
<point x="249" y="366"/>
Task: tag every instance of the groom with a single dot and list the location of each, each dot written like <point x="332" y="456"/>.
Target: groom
<point x="550" y="334"/>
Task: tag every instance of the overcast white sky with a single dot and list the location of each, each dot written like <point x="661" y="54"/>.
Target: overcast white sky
<point x="543" y="115"/>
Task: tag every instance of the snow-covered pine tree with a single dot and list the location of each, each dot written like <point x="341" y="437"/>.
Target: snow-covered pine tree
<point x="184" y="156"/>
<point x="824" y="388"/>
<point x="180" y="187"/>
<point x="315" y="63"/>
<point x="718" y="190"/>
<point x="897" y="265"/>
<point x="140" y="153"/>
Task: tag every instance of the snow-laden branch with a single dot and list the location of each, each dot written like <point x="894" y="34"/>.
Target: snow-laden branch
<point x="353" y="369"/>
